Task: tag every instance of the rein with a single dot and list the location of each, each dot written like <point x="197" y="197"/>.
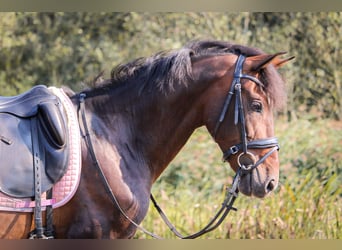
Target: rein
<point x="221" y="214"/>
<point x="86" y="136"/>
<point x="227" y="205"/>
<point x="246" y="160"/>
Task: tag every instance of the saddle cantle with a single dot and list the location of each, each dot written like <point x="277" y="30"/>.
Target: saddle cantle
<point x="32" y="129"/>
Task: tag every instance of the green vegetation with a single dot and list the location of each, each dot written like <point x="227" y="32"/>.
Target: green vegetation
<point x="306" y="205"/>
<point x="68" y="48"/>
<point x="72" y="48"/>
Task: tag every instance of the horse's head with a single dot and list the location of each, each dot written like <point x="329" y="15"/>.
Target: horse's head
<point x="239" y="116"/>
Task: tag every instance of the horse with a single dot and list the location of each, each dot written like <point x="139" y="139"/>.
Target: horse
<point x="139" y="118"/>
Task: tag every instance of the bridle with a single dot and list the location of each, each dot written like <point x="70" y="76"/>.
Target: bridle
<point x="246" y="160"/>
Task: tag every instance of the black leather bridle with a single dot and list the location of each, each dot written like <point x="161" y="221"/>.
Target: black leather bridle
<point x="246" y="160"/>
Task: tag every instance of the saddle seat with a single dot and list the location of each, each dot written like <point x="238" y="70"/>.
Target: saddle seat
<point x="34" y="117"/>
<point x="25" y="104"/>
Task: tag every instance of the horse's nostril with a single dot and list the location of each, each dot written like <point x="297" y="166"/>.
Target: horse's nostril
<point x="270" y="186"/>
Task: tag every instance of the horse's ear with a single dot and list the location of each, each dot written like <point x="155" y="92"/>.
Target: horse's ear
<point x="256" y="63"/>
<point x="278" y="62"/>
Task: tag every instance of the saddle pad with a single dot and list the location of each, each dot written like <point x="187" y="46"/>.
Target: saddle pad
<point x="66" y="187"/>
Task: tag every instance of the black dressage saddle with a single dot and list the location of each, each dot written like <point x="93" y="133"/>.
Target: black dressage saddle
<point x="33" y="142"/>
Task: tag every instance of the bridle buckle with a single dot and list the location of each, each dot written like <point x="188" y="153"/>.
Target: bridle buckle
<point x="234" y="149"/>
<point x="231" y="151"/>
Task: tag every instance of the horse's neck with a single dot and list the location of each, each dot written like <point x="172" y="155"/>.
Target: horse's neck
<point x="147" y="134"/>
<point x="166" y="130"/>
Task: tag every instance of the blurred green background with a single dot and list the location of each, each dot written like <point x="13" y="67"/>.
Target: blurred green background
<point x="72" y="48"/>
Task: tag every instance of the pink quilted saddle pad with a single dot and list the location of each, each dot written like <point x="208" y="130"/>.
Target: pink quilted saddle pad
<point x="66" y="187"/>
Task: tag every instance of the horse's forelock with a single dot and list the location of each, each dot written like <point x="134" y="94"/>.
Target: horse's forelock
<point x="274" y="87"/>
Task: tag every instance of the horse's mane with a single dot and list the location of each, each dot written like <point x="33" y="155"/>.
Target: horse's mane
<point x="165" y="70"/>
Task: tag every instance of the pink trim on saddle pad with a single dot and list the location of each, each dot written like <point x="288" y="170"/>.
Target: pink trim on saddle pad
<point x="25" y="204"/>
<point x="66" y="187"/>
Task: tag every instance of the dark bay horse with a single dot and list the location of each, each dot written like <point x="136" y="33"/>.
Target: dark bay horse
<point x="141" y="117"/>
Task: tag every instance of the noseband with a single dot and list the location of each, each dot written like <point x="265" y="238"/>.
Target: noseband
<point x="246" y="160"/>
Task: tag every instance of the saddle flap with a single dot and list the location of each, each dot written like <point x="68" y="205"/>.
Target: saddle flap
<point x="16" y="156"/>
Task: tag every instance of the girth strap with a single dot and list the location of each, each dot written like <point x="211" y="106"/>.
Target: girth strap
<point x="39" y="232"/>
<point x="37" y="179"/>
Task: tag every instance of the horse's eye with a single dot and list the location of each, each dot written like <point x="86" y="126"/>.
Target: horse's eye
<point x="256" y="106"/>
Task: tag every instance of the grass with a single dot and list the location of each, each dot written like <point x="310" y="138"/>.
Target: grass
<point x="306" y="205"/>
